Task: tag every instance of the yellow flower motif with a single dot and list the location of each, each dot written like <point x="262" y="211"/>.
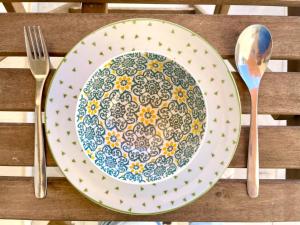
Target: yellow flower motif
<point x="147" y="115"/>
<point x="123" y="83"/>
<point x="159" y="133"/>
<point x="168" y="78"/>
<point x="165" y="104"/>
<point x="196" y="127"/>
<point x="113" y="72"/>
<point x="136" y="167"/>
<point x="135" y="98"/>
<point x="106" y="94"/>
<point x="89" y="152"/>
<point x="93" y="107"/>
<point x="108" y="65"/>
<point x="100" y="122"/>
<point x="180" y="94"/>
<point x="155" y="66"/>
<point x="169" y="148"/>
<point x="140" y="73"/>
<point x="113" y="139"/>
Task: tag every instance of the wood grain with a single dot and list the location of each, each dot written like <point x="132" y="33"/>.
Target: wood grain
<point x="295" y="121"/>
<point x="279" y="93"/>
<point x="294" y="3"/>
<point x="16" y="147"/>
<point x="226" y="201"/>
<point x="221" y="31"/>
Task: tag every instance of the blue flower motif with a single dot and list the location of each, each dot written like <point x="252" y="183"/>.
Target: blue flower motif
<point x="118" y="110"/>
<point x="196" y="102"/>
<point x="111" y="160"/>
<point x="178" y="75"/>
<point x="186" y="149"/>
<point x="162" y="167"/>
<point x="153" y="56"/>
<point x="102" y="81"/>
<point x="82" y="107"/>
<point x="129" y="64"/>
<point x="174" y="120"/>
<point x="152" y="88"/>
<point x="91" y="133"/>
<point x="132" y="177"/>
<point x="142" y="143"/>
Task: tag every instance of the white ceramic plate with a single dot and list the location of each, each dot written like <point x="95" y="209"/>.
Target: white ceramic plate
<point x="222" y="122"/>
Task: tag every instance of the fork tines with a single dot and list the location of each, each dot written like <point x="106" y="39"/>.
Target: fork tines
<point x="34" y="41"/>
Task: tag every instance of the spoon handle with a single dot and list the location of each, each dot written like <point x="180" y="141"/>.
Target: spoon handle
<point x="253" y="156"/>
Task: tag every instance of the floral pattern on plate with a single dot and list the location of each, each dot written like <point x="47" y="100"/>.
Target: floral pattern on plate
<point x="140" y="117"/>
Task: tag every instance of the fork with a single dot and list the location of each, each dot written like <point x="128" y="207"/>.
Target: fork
<point x="38" y="59"/>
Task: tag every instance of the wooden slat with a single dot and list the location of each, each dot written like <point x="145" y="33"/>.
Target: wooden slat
<point x="227" y="201"/>
<point x="279" y="93"/>
<point x="278" y="148"/>
<point x="16" y="147"/>
<point x="21" y="80"/>
<point x="221" y="31"/>
<point x="295" y="121"/>
<point x="294" y="3"/>
<point x="13" y="7"/>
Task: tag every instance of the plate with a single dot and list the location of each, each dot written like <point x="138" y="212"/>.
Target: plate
<point x="222" y="122"/>
<point x="136" y="114"/>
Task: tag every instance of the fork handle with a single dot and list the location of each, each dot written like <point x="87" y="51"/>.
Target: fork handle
<point x="40" y="178"/>
<point x="253" y="154"/>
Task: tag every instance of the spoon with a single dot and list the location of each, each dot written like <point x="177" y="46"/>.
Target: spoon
<point x="252" y="54"/>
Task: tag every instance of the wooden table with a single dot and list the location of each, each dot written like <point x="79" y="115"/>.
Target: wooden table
<point x="228" y="200"/>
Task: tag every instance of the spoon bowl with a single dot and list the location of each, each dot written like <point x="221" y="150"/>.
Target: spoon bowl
<point x="252" y="54"/>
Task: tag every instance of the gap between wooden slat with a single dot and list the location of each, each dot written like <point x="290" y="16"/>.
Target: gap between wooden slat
<point x="27" y="171"/>
<point x="226" y="201"/>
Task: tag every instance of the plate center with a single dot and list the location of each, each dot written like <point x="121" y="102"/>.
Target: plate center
<point x="141" y="117"/>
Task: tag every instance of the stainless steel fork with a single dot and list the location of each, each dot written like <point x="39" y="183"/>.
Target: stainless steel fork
<point x="38" y="59"/>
